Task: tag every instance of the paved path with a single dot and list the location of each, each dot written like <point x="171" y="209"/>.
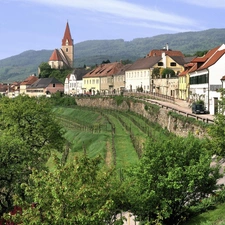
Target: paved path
<point x="182" y="105"/>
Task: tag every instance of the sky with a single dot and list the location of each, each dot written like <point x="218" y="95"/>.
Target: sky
<point x="40" y="24"/>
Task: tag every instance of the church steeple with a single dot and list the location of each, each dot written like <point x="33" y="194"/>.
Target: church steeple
<point x="67" y="39"/>
<point x="67" y="45"/>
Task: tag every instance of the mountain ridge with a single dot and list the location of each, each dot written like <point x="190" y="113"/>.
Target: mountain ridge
<point x="92" y="52"/>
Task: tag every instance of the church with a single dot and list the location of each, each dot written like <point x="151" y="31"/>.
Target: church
<point x="63" y="58"/>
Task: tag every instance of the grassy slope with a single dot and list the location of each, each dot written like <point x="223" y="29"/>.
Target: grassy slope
<point x="77" y="123"/>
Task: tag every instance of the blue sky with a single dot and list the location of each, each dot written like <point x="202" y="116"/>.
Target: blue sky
<point x="40" y="24"/>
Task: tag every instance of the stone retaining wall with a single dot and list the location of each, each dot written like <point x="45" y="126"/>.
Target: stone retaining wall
<point x="163" y="118"/>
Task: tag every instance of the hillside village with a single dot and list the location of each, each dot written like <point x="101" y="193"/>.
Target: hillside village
<point x="193" y="78"/>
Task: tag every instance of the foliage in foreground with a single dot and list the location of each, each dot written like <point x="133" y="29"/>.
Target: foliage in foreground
<point x="217" y="132"/>
<point x="28" y="134"/>
<point x="77" y="193"/>
<point x="172" y="176"/>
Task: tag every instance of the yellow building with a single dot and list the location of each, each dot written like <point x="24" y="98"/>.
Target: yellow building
<point x="101" y="79"/>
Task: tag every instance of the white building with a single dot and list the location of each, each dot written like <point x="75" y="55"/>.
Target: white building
<point x="205" y="77"/>
<point x="72" y="86"/>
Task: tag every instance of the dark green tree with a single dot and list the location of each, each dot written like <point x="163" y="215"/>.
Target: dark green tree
<point x="156" y="73"/>
<point x="45" y="70"/>
<point x="167" y="72"/>
<point x="217" y="130"/>
<point x="80" y="192"/>
<point x="28" y="135"/>
<point x="172" y="176"/>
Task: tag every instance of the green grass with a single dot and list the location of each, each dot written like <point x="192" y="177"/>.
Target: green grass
<point x="99" y="142"/>
<point x="212" y="217"/>
<point x="125" y="152"/>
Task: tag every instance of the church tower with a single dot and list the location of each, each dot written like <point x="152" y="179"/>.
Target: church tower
<point x="67" y="46"/>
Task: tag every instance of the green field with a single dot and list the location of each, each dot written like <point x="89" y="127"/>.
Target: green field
<point x="118" y="137"/>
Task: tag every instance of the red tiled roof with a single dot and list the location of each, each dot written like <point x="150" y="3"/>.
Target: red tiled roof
<point x="214" y="58"/>
<point x="145" y="63"/>
<point x="193" y="68"/>
<point x="56" y="56"/>
<point x="223" y="78"/>
<point x="67" y="36"/>
<point x="107" y="69"/>
<point x="30" y="80"/>
<point x="169" y="52"/>
<point x="183" y="73"/>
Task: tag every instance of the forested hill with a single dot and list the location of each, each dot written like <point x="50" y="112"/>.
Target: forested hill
<point x="95" y="51"/>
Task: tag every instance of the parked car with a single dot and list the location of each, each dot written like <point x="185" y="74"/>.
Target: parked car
<point x="199" y="109"/>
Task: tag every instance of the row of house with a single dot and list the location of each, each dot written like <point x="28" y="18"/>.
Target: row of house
<point x="33" y="87"/>
<point x="193" y="78"/>
<point x="196" y="78"/>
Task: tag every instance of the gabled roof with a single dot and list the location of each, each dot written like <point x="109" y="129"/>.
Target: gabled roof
<point x="102" y="70"/>
<point x="214" y="58"/>
<point x="44" y="82"/>
<point x="178" y="59"/>
<point x="123" y="69"/>
<point x="56" y="56"/>
<point x="169" y="52"/>
<point x="223" y="78"/>
<point x="29" y="80"/>
<point x="67" y="36"/>
<point x="145" y="63"/>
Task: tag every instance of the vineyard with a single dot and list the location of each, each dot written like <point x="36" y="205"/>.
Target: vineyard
<point x="118" y="136"/>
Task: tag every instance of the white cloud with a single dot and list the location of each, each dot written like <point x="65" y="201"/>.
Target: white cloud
<point x="121" y="9"/>
<point x="206" y="3"/>
<point x="154" y="26"/>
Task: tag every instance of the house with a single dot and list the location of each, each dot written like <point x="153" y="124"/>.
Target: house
<point x="183" y="79"/>
<point x="13" y="90"/>
<point x="45" y="87"/>
<point x="141" y="73"/>
<point x="27" y="83"/>
<point x="73" y="82"/>
<point x="101" y="78"/>
<point x="119" y="79"/>
<point x="63" y="57"/>
<point x="205" y="78"/>
<point x="3" y="88"/>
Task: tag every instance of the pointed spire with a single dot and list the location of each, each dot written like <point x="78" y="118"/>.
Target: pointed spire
<point x="67" y="39"/>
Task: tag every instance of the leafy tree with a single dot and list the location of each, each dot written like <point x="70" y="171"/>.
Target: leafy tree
<point x="217" y="130"/>
<point x="28" y="134"/>
<point x="126" y="61"/>
<point x="156" y="72"/>
<point x="105" y="61"/>
<point x="166" y="72"/>
<point x="77" y="193"/>
<point x="200" y="53"/>
<point x="172" y="176"/>
<point x="45" y="70"/>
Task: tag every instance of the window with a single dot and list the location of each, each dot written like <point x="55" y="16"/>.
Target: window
<point x="160" y="63"/>
<point x="173" y="64"/>
<point x="202" y="79"/>
<point x="67" y="50"/>
<point x="53" y="85"/>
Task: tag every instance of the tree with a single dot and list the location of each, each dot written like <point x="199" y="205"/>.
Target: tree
<point x="45" y="70"/>
<point x="28" y="135"/>
<point x="156" y="73"/>
<point x="167" y="73"/>
<point x="77" y="193"/>
<point x="217" y="130"/>
<point x="172" y="176"/>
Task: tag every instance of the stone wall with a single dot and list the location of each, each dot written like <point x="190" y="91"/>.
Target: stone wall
<point x="163" y="118"/>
